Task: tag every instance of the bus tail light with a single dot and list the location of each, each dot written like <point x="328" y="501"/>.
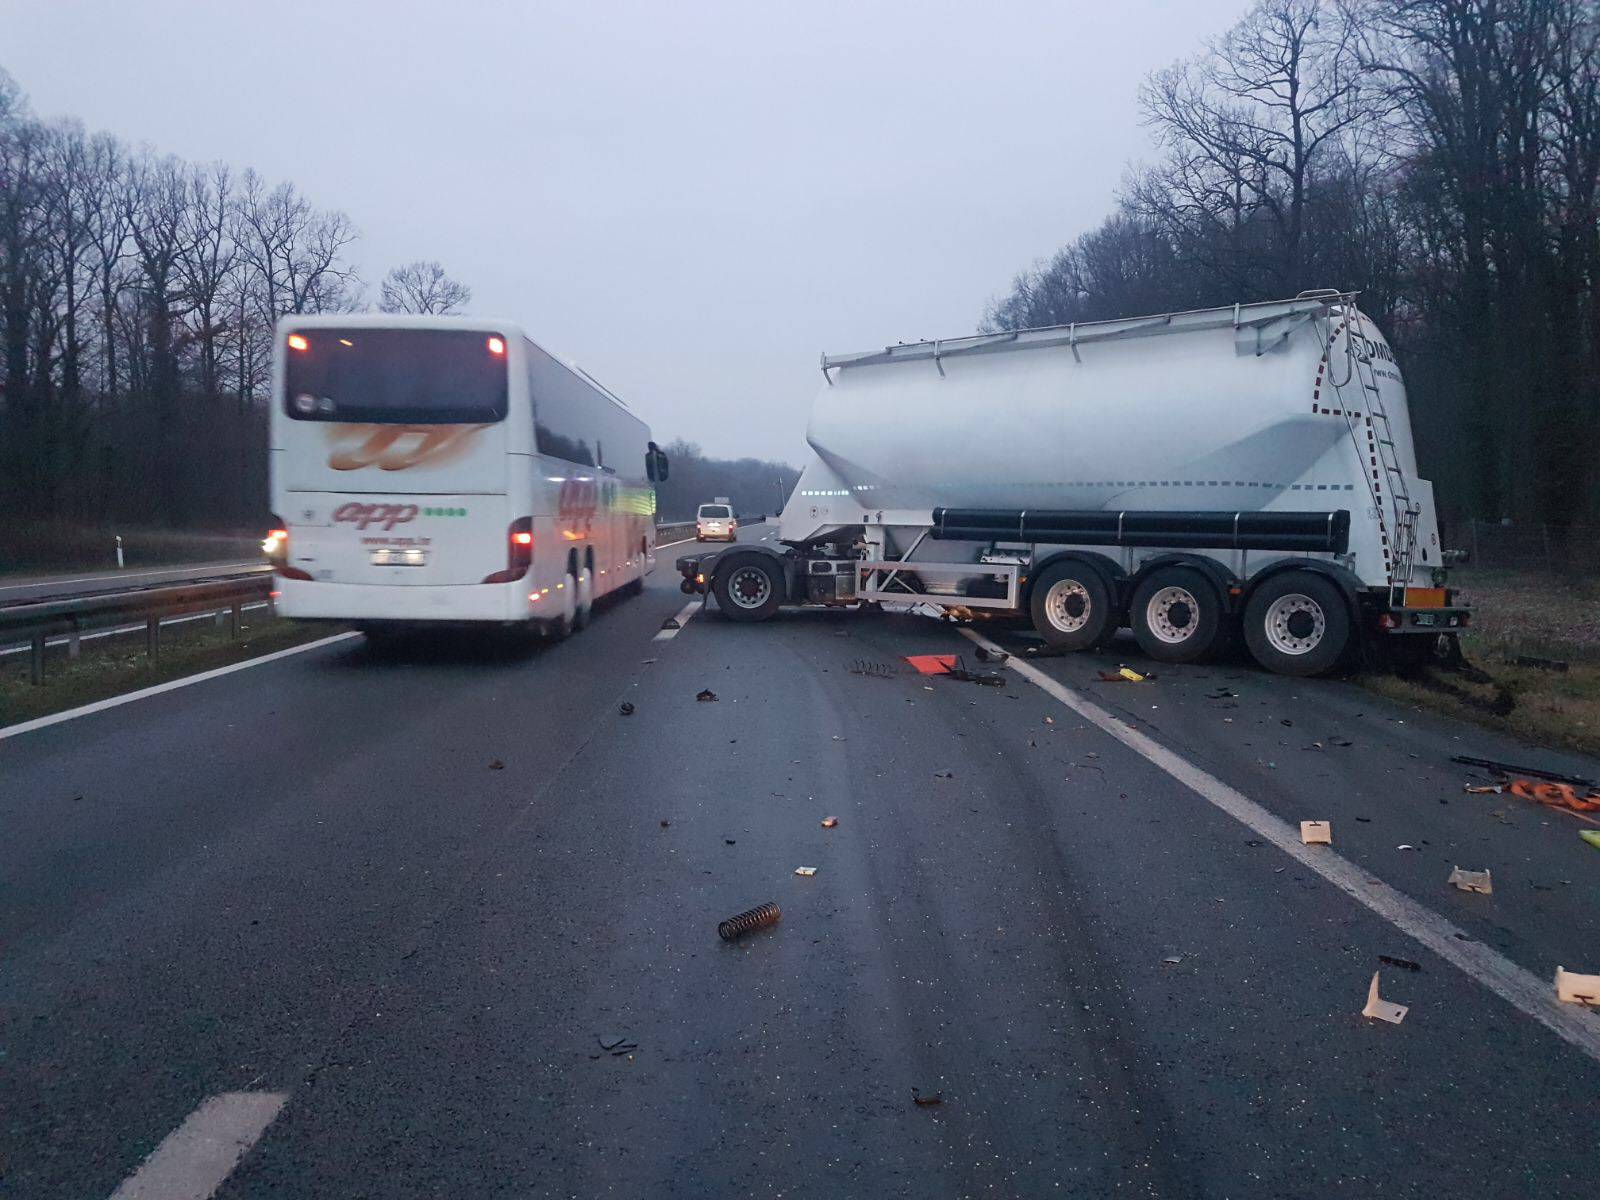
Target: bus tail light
<point x="519" y="552"/>
<point x="276" y="547"/>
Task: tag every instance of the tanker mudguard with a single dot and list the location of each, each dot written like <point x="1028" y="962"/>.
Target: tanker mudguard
<point x="1299" y="532"/>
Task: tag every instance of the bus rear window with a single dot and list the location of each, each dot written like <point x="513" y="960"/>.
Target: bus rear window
<point x="406" y="376"/>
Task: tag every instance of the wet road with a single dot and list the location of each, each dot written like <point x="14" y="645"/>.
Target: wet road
<point x="310" y="881"/>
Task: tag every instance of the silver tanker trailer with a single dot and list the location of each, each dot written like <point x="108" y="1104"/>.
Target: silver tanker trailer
<point x="1186" y="475"/>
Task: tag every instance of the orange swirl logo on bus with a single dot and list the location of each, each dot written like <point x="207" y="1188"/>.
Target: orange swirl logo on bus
<point x="398" y="447"/>
<point x="385" y="516"/>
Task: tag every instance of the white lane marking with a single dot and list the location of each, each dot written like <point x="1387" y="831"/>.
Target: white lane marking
<point x="684" y="615"/>
<point x="1523" y="990"/>
<point x="155" y="690"/>
<point x="118" y="629"/>
<point x="107" y="578"/>
<point x="192" y="1161"/>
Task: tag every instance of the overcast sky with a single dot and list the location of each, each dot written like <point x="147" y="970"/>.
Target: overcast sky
<point x="692" y="200"/>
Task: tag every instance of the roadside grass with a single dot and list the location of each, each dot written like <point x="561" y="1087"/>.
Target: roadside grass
<point x="1519" y="613"/>
<point x="114" y="665"/>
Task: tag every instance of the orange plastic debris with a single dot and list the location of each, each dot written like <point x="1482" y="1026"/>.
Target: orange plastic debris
<point x="932" y="664"/>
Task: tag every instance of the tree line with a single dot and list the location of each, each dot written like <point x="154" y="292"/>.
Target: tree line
<point x="1442" y="157"/>
<point x="751" y="485"/>
<point x="138" y="297"/>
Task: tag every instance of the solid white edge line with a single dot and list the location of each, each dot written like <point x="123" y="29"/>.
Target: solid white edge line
<point x="1521" y="989"/>
<point x="685" y="615"/>
<point x="192" y="1161"/>
<point x="172" y="685"/>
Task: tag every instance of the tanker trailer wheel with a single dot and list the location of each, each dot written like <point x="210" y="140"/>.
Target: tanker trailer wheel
<point x="1297" y="623"/>
<point x="1176" y="614"/>
<point x="1071" y="606"/>
<point x="749" y="588"/>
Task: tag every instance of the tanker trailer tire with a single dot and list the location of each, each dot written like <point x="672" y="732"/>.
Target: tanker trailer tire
<point x="1176" y="615"/>
<point x="1297" y="623"/>
<point x="1071" y="606"/>
<point x="750" y="588"/>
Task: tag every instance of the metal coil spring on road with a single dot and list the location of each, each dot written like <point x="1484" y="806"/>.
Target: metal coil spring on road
<point x="759" y="917"/>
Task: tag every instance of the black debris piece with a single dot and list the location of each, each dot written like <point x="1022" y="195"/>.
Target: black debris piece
<point x="945" y="774"/>
<point x="671" y="623"/>
<point x="922" y="1101"/>
<point x="706" y="696"/>
<point x="627" y="708"/>
<point x="1405" y="964"/>
<point x="873" y="670"/>
<point x="615" y="1045"/>
<point x="496" y="765"/>
<point x="1541" y="664"/>
<point x="1502" y="768"/>
<point x="991" y="656"/>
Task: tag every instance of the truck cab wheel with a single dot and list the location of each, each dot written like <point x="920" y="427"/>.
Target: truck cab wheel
<point x="1297" y="623"/>
<point x="1071" y="606"/>
<point x="749" y="588"/>
<point x="1176" y="615"/>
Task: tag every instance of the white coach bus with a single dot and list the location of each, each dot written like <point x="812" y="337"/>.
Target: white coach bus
<point x="447" y="470"/>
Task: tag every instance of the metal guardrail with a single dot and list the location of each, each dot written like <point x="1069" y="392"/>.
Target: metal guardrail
<point x="37" y="621"/>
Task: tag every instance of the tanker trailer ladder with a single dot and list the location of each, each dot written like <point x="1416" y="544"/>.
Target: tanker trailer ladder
<point x="1405" y="513"/>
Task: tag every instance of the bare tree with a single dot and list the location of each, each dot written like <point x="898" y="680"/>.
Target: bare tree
<point x="1249" y="125"/>
<point x="423" y="287"/>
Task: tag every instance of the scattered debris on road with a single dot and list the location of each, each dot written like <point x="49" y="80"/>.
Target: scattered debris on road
<point x="1573" y="988"/>
<point x="1316" y="833"/>
<point x="873" y="670"/>
<point x="1125" y="675"/>
<point x="1383" y="1010"/>
<point x="922" y="1101"/>
<point x="991" y="656"/>
<point x="1591" y="836"/>
<point x="1405" y="964"/>
<point x="759" y="917"/>
<point x="665" y="822"/>
<point x="1471" y="881"/>
<point x="1222" y="693"/>
<point x="806" y="871"/>
<point x="932" y="664"/>
<point x="829" y="822"/>
<point x="627" y="708"/>
<point x="730" y="841"/>
<point x="1552" y="795"/>
<point x="1172" y="959"/>
<point x="615" y="1045"/>
<point x="496" y="765"/>
<point x="944" y="774"/>
<point x="1407" y="846"/>
<point x="671" y="623"/>
<point x="1511" y="769"/>
<point x="706" y="697"/>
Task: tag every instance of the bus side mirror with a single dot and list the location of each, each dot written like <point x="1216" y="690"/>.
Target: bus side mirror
<point x="655" y="464"/>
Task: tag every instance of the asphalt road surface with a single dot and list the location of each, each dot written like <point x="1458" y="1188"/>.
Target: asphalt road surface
<point x="360" y="925"/>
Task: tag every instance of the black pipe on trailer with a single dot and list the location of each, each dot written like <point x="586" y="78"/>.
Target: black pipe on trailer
<point x="1288" y="532"/>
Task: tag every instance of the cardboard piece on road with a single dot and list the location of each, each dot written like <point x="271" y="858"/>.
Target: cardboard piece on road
<point x="932" y="664"/>
<point x="1573" y="988"/>
<point x="1316" y="833"/>
<point x="1471" y="881"/>
<point x="1383" y="1010"/>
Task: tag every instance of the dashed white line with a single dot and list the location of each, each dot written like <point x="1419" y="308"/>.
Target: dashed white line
<point x="115" y="701"/>
<point x="192" y="1161"/>
<point x="1521" y="989"/>
<point x="684" y="615"/>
